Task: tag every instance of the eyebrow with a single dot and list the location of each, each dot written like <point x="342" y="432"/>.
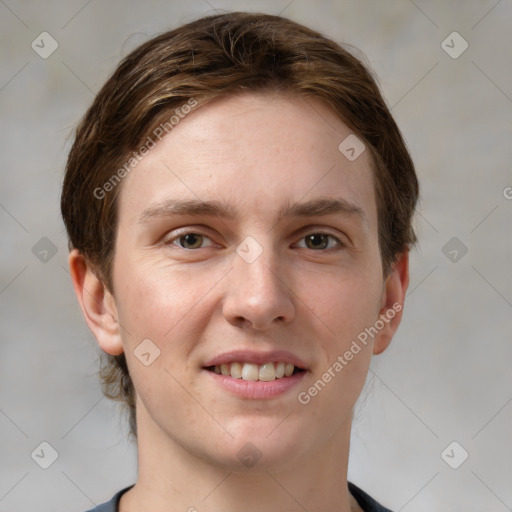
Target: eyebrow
<point x="314" y="208"/>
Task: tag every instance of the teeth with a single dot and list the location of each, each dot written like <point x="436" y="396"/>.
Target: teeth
<point x="236" y="370"/>
<point x="249" y="371"/>
<point x="267" y="372"/>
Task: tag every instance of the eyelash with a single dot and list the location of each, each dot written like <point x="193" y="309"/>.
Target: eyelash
<point x="339" y="243"/>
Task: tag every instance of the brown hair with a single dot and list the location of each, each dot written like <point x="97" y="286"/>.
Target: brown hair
<point x="210" y="58"/>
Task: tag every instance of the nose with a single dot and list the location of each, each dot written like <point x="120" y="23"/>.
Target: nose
<point x="257" y="296"/>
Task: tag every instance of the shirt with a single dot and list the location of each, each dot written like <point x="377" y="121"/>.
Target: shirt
<point x="366" y="502"/>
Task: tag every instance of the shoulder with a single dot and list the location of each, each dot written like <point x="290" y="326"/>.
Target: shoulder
<point x="365" y="501"/>
<point x="113" y="504"/>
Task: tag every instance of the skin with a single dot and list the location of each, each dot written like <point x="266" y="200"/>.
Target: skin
<point x="257" y="152"/>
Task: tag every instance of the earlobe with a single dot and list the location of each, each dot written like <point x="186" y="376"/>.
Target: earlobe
<point x="393" y="297"/>
<point x="97" y="304"/>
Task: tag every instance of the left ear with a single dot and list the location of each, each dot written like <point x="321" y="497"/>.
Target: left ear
<point x="392" y="302"/>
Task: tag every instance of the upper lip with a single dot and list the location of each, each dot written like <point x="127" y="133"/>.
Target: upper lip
<point x="250" y="356"/>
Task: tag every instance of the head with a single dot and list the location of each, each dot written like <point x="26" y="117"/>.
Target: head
<point x="248" y="111"/>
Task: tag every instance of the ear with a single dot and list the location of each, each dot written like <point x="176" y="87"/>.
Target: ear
<point x="97" y="303"/>
<point x="392" y="302"/>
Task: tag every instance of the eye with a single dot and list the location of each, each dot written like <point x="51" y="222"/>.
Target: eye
<point x="320" y="241"/>
<point x="189" y="240"/>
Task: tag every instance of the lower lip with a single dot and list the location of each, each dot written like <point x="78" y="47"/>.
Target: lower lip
<point x="257" y="389"/>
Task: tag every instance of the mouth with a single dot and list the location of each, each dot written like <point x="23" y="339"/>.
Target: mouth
<point x="256" y="375"/>
<point x="248" y="371"/>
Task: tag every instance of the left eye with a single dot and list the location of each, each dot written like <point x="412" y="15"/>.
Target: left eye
<point x="190" y="240"/>
<point x="320" y="241"/>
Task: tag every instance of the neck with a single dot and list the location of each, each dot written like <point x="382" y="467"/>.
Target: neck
<point x="172" y="479"/>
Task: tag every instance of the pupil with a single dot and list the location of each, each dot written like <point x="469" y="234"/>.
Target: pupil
<point x="317" y="239"/>
<point x="191" y="239"/>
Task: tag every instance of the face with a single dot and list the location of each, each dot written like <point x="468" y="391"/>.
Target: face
<point x="247" y="245"/>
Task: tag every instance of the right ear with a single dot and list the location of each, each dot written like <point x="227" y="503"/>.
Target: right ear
<point x="97" y="303"/>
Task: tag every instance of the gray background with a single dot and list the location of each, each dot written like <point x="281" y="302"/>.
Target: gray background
<point x="446" y="377"/>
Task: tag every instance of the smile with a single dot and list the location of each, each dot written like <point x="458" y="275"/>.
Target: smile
<point x="253" y="372"/>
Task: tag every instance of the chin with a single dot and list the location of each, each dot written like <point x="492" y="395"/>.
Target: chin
<point x="272" y="448"/>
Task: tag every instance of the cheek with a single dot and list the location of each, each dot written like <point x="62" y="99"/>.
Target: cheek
<point x="345" y="309"/>
<point x="167" y="304"/>
<point x="149" y="299"/>
<point x="161" y="316"/>
<point x="343" y="302"/>
<point x="146" y="307"/>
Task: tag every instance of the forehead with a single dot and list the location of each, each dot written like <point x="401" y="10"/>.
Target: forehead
<point x="255" y="151"/>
